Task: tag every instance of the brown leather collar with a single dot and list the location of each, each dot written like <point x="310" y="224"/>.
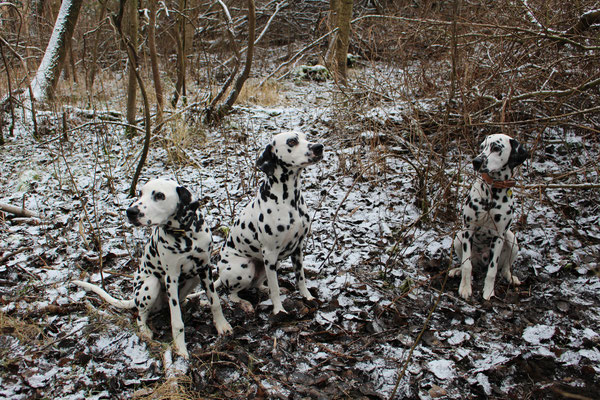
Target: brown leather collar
<point x="507" y="184"/>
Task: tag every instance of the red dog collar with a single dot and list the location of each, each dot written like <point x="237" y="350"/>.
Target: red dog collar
<point x="498" y="184"/>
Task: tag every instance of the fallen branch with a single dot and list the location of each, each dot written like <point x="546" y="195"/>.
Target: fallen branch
<point x="8" y="256"/>
<point x="18" y="211"/>
<point x="581" y="186"/>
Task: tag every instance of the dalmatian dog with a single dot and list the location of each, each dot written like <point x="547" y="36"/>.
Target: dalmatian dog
<point x="487" y="215"/>
<point x="273" y="225"/>
<point x="175" y="259"/>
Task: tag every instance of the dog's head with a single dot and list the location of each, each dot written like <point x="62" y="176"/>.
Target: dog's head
<point x="500" y="154"/>
<point x="159" y="201"/>
<point x="289" y="150"/>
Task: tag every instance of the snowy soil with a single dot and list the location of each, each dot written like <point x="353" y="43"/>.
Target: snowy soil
<point x="375" y="264"/>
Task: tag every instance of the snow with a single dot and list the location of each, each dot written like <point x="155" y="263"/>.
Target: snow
<point x="538" y="333"/>
<point x="442" y="369"/>
<point x="356" y="265"/>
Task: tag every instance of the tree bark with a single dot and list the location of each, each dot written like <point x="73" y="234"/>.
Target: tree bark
<point x="343" y="39"/>
<point x="131" y="84"/>
<point x="44" y="83"/>
<point x="94" y="64"/>
<point x="180" y="38"/>
<point x="332" y="18"/>
<point x="154" y="60"/>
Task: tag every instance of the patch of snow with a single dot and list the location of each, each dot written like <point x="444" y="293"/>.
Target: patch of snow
<point x="538" y="333"/>
<point x="442" y="369"/>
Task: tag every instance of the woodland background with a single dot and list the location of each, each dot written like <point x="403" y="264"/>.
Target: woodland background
<point x="98" y="95"/>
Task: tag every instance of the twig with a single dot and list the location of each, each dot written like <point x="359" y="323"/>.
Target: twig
<point x="297" y="55"/>
<point x="582" y="186"/>
<point x="18" y="211"/>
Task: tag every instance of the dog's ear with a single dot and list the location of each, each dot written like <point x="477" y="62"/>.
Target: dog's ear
<point x="184" y="195"/>
<point x="267" y="161"/>
<point x="518" y="154"/>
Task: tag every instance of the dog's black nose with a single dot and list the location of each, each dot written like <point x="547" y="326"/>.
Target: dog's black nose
<point x="133" y="213"/>
<point x="477" y="161"/>
<point x="317" y="149"/>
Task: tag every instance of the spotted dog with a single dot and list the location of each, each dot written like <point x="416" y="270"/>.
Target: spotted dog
<point x="273" y="225"/>
<point x="487" y="215"/>
<point x="175" y="260"/>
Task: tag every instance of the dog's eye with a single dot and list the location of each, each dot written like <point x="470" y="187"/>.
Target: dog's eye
<point x="292" y="142"/>
<point x="159" y="196"/>
<point x="495" y="148"/>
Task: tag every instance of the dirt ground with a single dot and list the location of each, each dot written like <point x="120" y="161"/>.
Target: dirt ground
<point x="387" y="319"/>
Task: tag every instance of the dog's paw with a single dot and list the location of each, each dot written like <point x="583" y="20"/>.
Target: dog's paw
<point x="454" y="272"/>
<point x="488" y="293"/>
<point x="279" y="310"/>
<point x="308" y="296"/>
<point x="246" y="306"/>
<point x="182" y="352"/>
<point x="145" y="332"/>
<point x="514" y="280"/>
<point x="465" y="291"/>
<point x="223" y="328"/>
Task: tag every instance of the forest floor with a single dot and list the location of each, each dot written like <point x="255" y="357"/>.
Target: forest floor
<point x="375" y="261"/>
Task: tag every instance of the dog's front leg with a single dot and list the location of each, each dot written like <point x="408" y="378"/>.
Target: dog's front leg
<point x="271" y="261"/>
<point x="490" y="278"/>
<point x="219" y="320"/>
<point x="297" y="260"/>
<point x="177" y="328"/>
<point x="464" y="247"/>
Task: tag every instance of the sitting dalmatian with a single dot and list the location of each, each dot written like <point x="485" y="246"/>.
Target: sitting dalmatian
<point x="273" y="225"/>
<point x="175" y="260"/>
<point x="487" y="215"/>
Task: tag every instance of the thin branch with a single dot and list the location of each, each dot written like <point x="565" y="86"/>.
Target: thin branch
<point x="18" y="211"/>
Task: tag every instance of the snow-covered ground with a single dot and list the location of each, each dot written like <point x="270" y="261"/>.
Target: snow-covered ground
<point x="375" y="264"/>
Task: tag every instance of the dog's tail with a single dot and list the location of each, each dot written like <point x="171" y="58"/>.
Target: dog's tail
<point x="102" y="293"/>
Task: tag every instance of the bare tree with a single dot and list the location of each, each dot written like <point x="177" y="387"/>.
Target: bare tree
<point x="154" y="59"/>
<point x="45" y="80"/>
<point x="344" y="15"/>
<point x="180" y="39"/>
<point x="216" y="113"/>
<point x="131" y="84"/>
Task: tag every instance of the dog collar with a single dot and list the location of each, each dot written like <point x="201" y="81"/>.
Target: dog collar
<point x="507" y="184"/>
<point x="178" y="231"/>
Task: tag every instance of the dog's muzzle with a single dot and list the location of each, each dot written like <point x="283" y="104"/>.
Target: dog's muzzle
<point x="477" y="163"/>
<point x="317" y="150"/>
<point x="133" y="214"/>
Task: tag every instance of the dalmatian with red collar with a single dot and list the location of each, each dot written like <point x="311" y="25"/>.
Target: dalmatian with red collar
<point x="487" y="215"/>
<point x="175" y="260"/>
<point x="273" y="225"/>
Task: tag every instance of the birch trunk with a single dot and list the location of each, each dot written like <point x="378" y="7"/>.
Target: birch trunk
<point x="44" y="83"/>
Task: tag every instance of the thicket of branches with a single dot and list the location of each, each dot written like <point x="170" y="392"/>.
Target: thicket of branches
<point x="493" y="65"/>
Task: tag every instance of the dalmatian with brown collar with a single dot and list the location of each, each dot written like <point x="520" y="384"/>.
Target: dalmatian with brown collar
<point x="175" y="260"/>
<point x="273" y="225"/>
<point x="487" y="215"/>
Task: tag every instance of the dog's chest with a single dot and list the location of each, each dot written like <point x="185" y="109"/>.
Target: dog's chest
<point x="490" y="211"/>
<point x="186" y="252"/>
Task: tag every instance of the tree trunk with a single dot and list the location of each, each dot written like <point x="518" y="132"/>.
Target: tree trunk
<point x="343" y="39"/>
<point x="132" y="84"/>
<point x="334" y="6"/>
<point x="44" y="83"/>
<point x="154" y="60"/>
<point x="180" y="38"/>
<point x="94" y="64"/>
